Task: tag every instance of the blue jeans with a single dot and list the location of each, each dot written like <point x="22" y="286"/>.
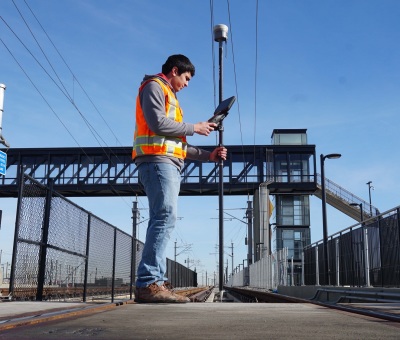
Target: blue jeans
<point x="161" y="182"/>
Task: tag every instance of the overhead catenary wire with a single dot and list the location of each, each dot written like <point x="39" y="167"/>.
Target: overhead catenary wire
<point x="40" y="93"/>
<point x="74" y="76"/>
<point x="91" y="128"/>
<point x="236" y="83"/>
<point x="63" y="90"/>
<point x="255" y="81"/>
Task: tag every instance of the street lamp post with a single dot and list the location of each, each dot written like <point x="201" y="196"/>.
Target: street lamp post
<point x="369" y="192"/>
<point x="324" y="222"/>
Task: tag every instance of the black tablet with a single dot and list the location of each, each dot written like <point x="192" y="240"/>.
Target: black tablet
<point x="222" y="110"/>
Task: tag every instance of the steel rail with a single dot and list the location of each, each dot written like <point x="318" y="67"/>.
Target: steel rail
<point x="388" y="313"/>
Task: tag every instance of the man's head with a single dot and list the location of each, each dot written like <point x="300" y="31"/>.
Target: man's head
<point x="179" y="70"/>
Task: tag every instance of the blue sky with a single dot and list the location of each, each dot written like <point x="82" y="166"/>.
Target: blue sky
<point x="329" y="66"/>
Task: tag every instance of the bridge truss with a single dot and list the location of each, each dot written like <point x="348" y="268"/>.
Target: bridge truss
<point x="98" y="171"/>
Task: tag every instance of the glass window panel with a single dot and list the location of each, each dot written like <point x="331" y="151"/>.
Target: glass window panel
<point x="287" y="234"/>
<point x="288" y="244"/>
<point x="290" y="139"/>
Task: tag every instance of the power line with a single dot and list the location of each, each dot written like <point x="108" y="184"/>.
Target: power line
<point x="73" y="75"/>
<point x="64" y="91"/>
<point x="255" y="81"/>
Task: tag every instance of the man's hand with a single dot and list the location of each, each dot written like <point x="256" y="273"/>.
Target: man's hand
<point x="204" y="128"/>
<point x="219" y="152"/>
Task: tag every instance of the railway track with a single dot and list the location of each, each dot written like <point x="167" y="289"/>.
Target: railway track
<point x="197" y="294"/>
<point x="61" y="293"/>
<point x="389" y="311"/>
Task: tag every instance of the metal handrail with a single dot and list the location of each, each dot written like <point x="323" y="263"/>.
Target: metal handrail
<point x="336" y="190"/>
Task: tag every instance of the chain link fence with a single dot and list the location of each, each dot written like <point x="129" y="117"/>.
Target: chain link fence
<point x="63" y="252"/>
<point x="269" y="272"/>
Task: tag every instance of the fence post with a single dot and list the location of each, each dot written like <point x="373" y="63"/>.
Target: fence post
<point x="287" y="264"/>
<point x="337" y="263"/>
<point x="398" y="244"/>
<point x="367" y="279"/>
<point x="113" y="269"/>
<point x="87" y="258"/>
<point x="381" y="245"/>
<point x="302" y="268"/>
<point x="316" y="266"/>
<point x="44" y="241"/>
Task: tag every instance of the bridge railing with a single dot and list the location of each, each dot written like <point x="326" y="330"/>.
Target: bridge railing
<point x="346" y="196"/>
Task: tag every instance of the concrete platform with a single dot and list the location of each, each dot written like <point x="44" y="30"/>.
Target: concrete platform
<point x="190" y="321"/>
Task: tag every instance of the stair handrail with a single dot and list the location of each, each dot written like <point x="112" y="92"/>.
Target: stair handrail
<point x="345" y="195"/>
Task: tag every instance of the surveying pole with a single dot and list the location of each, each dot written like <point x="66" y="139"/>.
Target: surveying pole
<point x="221" y="36"/>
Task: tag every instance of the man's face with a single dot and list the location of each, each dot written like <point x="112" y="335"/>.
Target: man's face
<point x="179" y="81"/>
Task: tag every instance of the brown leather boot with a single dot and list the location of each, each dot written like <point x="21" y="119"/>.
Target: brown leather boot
<point x="154" y="293"/>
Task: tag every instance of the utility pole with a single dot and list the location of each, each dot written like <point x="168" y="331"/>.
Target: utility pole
<point x="249" y="215"/>
<point x="186" y="248"/>
<point x="135" y="217"/>
<point x="232" y="255"/>
<point x="226" y="271"/>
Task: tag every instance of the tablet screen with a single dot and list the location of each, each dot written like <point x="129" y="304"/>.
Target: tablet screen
<point x="222" y="110"/>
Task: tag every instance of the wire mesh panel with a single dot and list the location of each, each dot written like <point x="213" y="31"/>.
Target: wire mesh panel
<point x="389" y="232"/>
<point x="358" y="257"/>
<point x="64" y="276"/>
<point x="26" y="269"/>
<point x="332" y="265"/>
<point x="374" y="250"/>
<point x="31" y="213"/>
<point x="68" y="226"/>
<point x="123" y="253"/>
<point x="30" y="217"/>
<point x="66" y="254"/>
<point x="100" y="266"/>
<point x="309" y="266"/>
<point x="321" y="264"/>
<point x="269" y="272"/>
<point x="139" y="252"/>
<point x="346" y="269"/>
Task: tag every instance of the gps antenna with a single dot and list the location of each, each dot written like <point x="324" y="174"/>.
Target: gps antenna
<point x="221" y="36"/>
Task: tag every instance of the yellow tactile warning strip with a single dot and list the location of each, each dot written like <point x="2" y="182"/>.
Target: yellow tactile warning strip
<point x="51" y="315"/>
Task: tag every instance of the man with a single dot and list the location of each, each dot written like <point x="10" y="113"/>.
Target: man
<point x="159" y="151"/>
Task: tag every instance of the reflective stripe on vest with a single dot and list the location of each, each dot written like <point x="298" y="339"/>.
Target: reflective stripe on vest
<point x="146" y="142"/>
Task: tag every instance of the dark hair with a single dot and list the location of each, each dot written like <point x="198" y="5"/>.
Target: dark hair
<point x="181" y="62"/>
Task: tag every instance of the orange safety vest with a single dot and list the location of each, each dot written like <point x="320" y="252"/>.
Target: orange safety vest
<point x="146" y="142"/>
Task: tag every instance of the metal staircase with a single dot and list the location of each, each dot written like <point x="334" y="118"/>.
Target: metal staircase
<point x="340" y="198"/>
